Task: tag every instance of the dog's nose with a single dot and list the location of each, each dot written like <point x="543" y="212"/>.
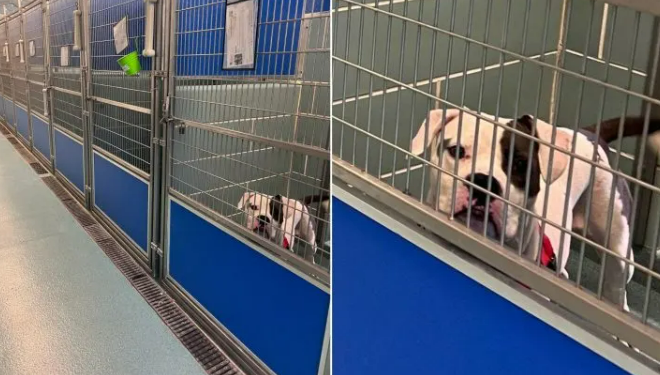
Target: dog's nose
<point x="481" y="180"/>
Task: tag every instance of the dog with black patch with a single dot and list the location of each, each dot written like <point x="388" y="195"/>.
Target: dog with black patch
<point x="279" y="219"/>
<point x="470" y="146"/>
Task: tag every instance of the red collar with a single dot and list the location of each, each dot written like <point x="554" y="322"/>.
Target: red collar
<point x="547" y="253"/>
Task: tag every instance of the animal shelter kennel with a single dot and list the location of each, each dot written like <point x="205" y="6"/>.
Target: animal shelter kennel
<point x="570" y="63"/>
<point x="160" y="116"/>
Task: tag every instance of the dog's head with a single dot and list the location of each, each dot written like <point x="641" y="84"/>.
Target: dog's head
<point x="462" y="144"/>
<point x="257" y="208"/>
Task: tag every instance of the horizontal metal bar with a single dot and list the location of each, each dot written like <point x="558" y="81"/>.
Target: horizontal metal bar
<point x="318" y="152"/>
<point x="606" y="316"/>
<point x="260" y="79"/>
<point x="315" y="272"/>
<point x="131" y="107"/>
<point x="66" y="91"/>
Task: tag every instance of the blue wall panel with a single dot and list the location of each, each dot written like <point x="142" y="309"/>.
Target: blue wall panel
<point x="22" y="124"/>
<point x="201" y="37"/>
<point x="398" y="310"/>
<point x="9" y="112"/>
<point x="123" y="197"/>
<point x="104" y="15"/>
<point x="69" y="159"/>
<point x="279" y="316"/>
<point x="40" y="135"/>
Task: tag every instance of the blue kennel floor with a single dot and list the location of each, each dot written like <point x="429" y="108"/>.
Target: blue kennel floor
<point x="64" y="307"/>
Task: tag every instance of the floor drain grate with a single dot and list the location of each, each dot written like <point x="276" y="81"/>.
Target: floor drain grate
<point x="97" y="232"/>
<point x="38" y="168"/>
<point x="57" y="188"/>
<point x="80" y="213"/>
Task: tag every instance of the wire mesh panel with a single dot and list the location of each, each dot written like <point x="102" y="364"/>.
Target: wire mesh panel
<point x="17" y="59"/>
<point x="257" y="135"/>
<point x="64" y="61"/>
<point x="429" y="97"/>
<point x="124" y="132"/>
<point x="34" y="51"/>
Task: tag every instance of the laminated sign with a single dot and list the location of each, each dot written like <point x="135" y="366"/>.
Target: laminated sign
<point x="240" y="34"/>
<point x="120" y="34"/>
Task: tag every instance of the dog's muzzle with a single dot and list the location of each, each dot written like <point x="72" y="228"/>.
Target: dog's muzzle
<point x="262" y="228"/>
<point x="477" y="208"/>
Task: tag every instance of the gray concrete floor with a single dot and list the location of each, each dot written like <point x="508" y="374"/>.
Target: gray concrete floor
<point x="64" y="307"/>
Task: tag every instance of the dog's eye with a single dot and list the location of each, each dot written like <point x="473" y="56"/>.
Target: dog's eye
<point x="254" y="207"/>
<point x="456" y="152"/>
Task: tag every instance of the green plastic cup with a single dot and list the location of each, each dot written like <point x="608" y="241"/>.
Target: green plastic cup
<point x="130" y="64"/>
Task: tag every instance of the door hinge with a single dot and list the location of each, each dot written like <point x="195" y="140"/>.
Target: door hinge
<point x="156" y="249"/>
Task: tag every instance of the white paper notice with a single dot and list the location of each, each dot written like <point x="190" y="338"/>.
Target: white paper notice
<point x="64" y="56"/>
<point x="120" y="31"/>
<point x="33" y="48"/>
<point x="240" y="35"/>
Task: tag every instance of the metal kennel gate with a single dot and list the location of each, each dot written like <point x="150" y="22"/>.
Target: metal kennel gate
<point x="120" y="114"/>
<point x="261" y="130"/>
<point x="570" y="62"/>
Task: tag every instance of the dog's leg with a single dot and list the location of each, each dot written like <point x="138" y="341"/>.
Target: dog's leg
<point x="619" y="234"/>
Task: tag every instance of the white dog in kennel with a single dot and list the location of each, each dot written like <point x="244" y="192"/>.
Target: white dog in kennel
<point x="280" y="219"/>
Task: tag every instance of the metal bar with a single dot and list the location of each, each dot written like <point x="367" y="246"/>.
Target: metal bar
<point x="115" y="103"/>
<point x="296" y="147"/>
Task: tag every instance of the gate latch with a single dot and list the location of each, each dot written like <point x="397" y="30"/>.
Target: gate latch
<point x="156" y="249"/>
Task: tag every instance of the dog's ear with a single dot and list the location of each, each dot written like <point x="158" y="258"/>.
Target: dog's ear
<point x="244" y="200"/>
<point x="435" y="124"/>
<point x="559" y="158"/>
<point x="275" y="208"/>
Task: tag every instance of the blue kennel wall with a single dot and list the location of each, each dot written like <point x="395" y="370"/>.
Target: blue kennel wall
<point x="123" y="197"/>
<point x="277" y="314"/>
<point x="41" y="136"/>
<point x="69" y="159"/>
<point x="104" y="15"/>
<point x="200" y="31"/>
<point x="22" y="123"/>
<point x="9" y="112"/>
<point x="399" y="310"/>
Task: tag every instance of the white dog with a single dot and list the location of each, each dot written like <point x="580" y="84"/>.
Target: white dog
<point x="279" y="219"/>
<point x="481" y="142"/>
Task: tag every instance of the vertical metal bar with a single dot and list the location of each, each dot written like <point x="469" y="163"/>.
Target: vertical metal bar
<point x="559" y="59"/>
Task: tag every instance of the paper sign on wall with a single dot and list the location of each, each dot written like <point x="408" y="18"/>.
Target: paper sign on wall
<point x="33" y="48"/>
<point x="240" y="34"/>
<point x="64" y="56"/>
<point x="120" y="32"/>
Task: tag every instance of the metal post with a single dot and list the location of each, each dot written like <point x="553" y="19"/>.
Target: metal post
<point x="47" y="84"/>
<point x="86" y="103"/>
<point x="26" y="68"/>
<point x="158" y="78"/>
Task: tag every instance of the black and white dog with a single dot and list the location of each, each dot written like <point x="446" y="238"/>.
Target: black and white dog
<point x="470" y="144"/>
<point x="281" y="219"/>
